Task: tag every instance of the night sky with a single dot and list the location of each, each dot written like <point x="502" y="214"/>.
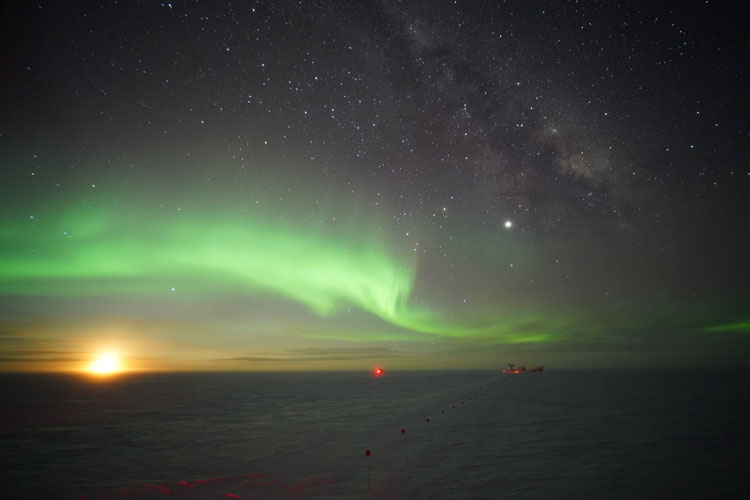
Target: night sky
<point x="338" y="185"/>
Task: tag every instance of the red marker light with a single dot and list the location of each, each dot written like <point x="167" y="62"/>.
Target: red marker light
<point x="403" y="431"/>
<point x="378" y="371"/>
<point x="367" y="453"/>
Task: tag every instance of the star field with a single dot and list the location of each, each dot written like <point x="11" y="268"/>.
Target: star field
<point x="454" y="182"/>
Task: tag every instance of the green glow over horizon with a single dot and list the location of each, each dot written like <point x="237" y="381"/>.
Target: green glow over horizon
<point x="98" y="249"/>
<point x="203" y="252"/>
<point x="111" y="247"/>
<point x="740" y="326"/>
<point x="108" y="246"/>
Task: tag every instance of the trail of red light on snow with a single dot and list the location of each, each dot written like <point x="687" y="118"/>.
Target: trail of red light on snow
<point x="244" y="486"/>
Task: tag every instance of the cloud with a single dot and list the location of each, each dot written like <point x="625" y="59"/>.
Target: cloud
<point x="39" y="356"/>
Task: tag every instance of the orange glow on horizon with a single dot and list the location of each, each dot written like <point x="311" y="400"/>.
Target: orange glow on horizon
<point x="106" y="363"/>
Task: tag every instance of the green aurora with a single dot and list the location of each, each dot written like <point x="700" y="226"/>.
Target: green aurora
<point x="112" y="246"/>
<point x="100" y="247"/>
<point x="119" y="248"/>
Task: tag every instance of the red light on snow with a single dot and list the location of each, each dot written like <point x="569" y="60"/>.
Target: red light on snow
<point x="378" y="371"/>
